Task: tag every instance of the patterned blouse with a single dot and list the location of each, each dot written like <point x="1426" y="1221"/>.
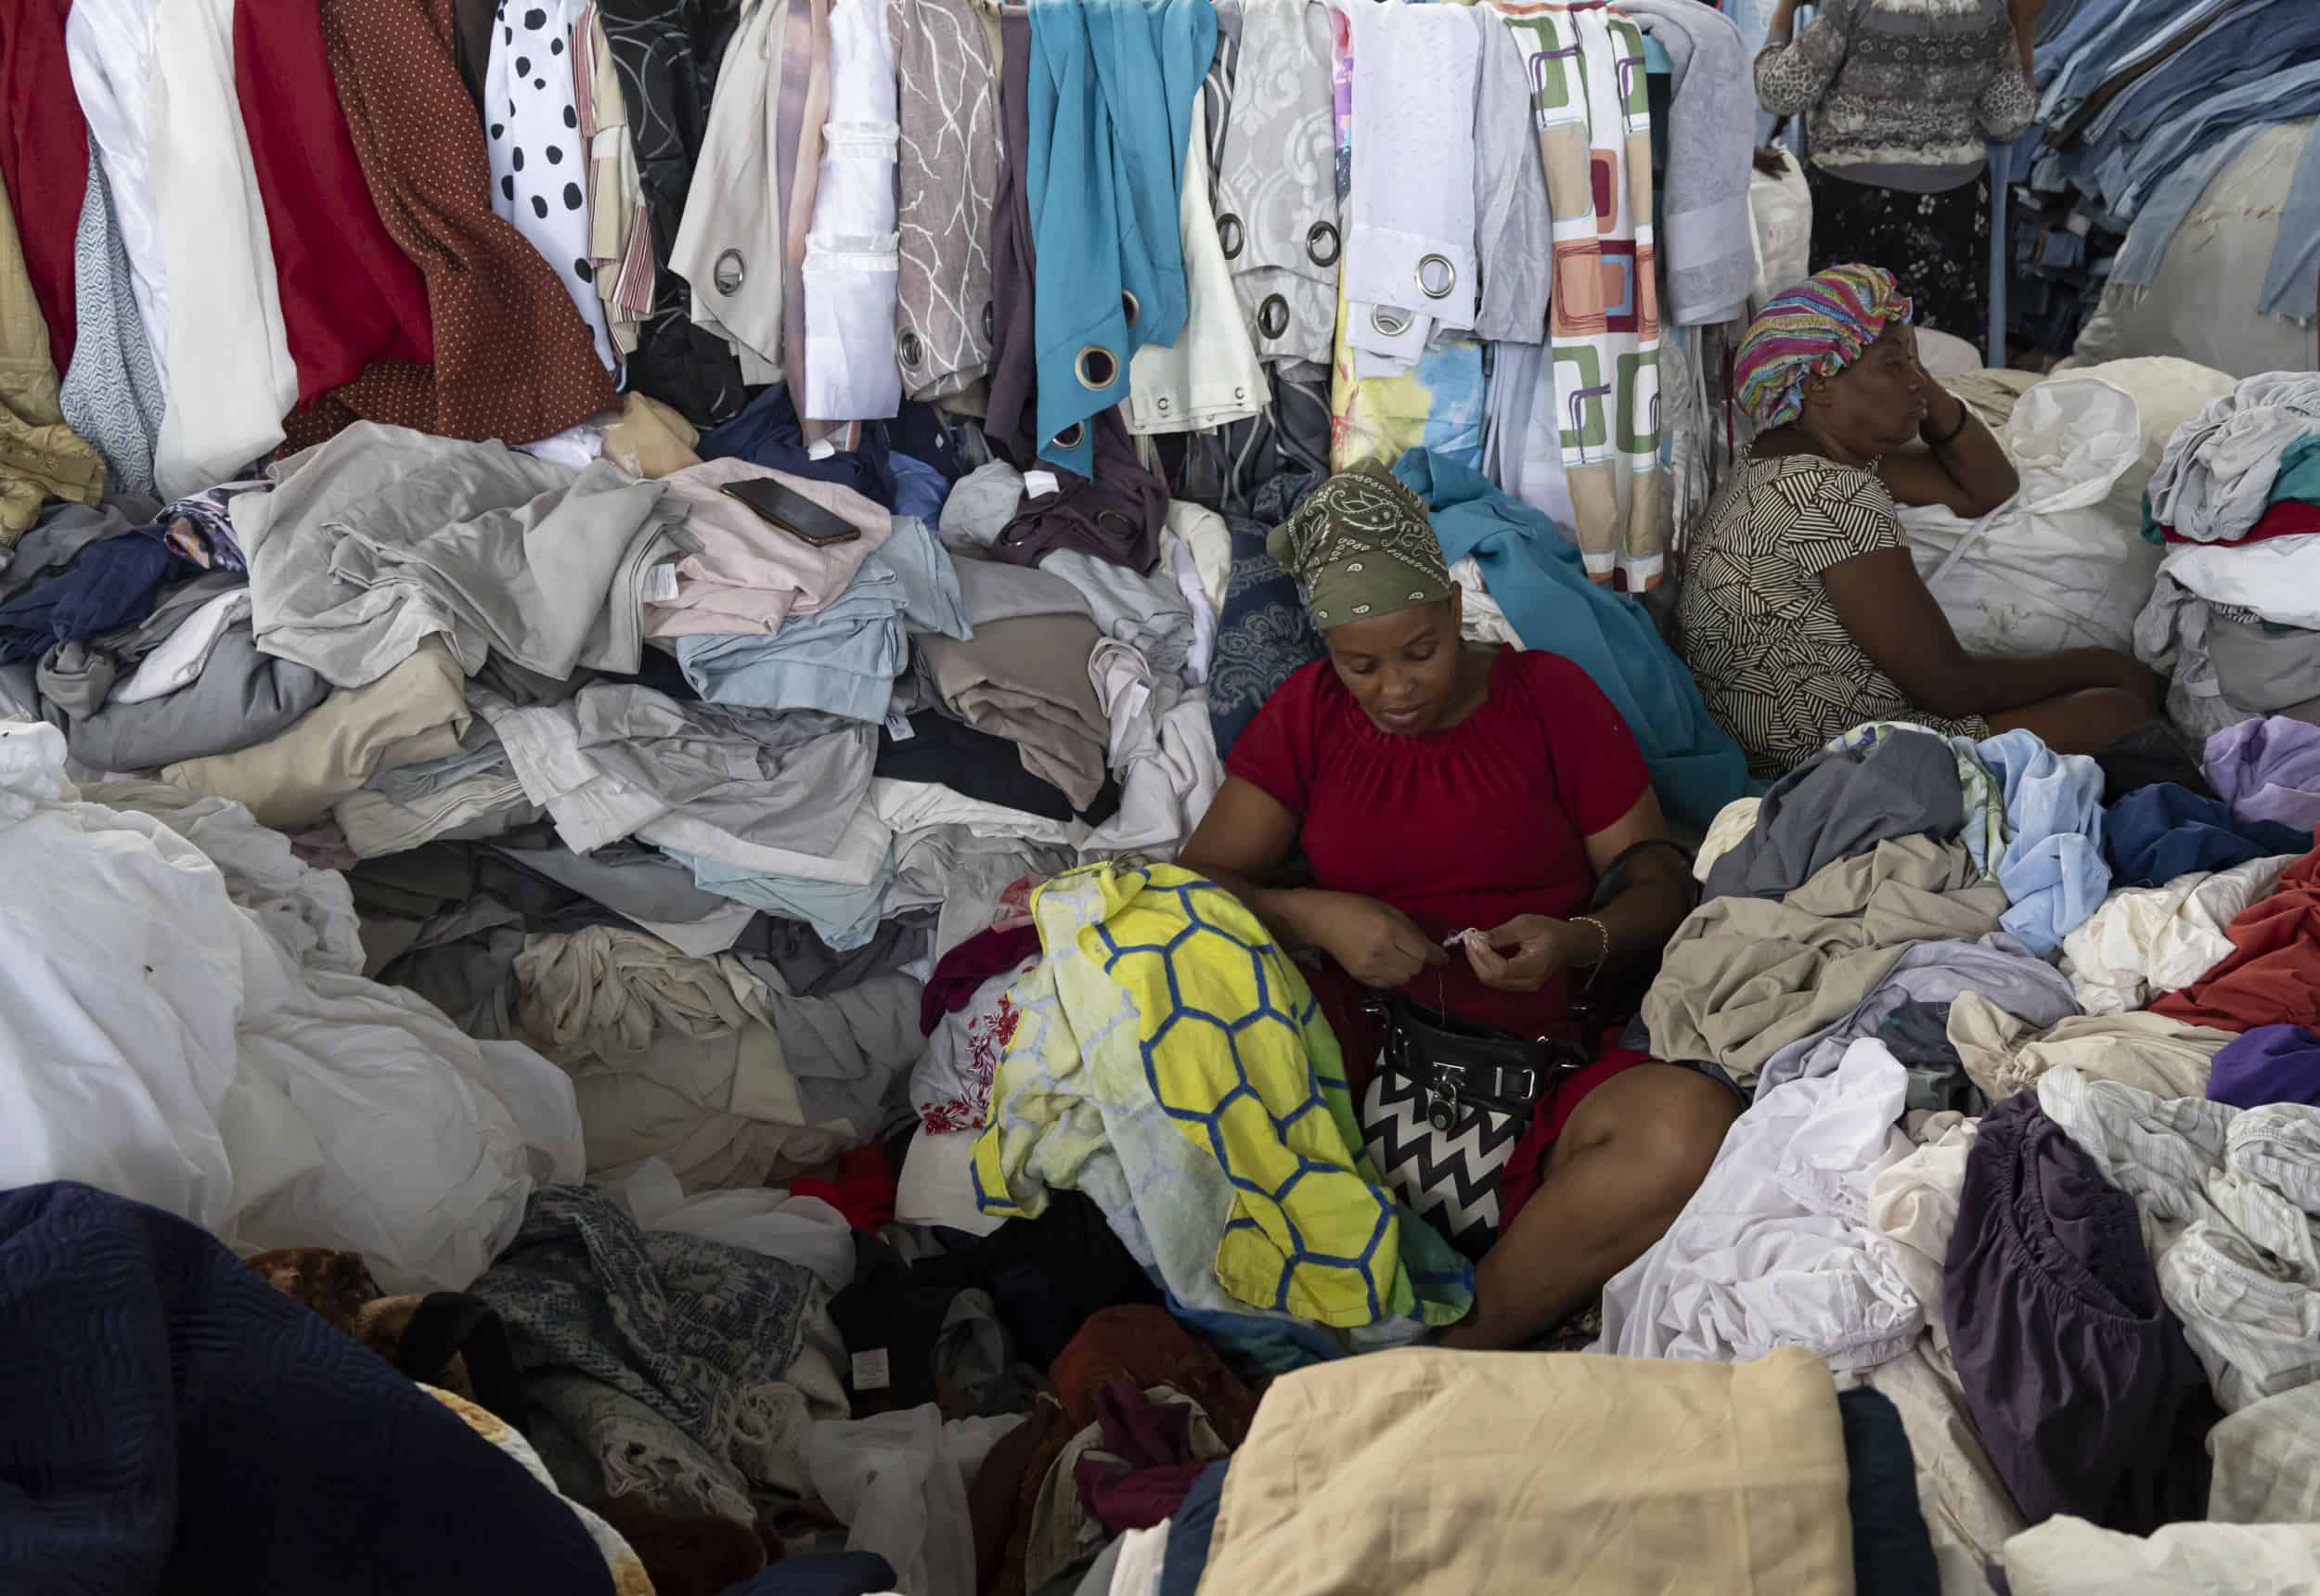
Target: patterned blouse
<point x="1775" y="663"/>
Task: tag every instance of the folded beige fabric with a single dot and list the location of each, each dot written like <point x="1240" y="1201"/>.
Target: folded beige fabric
<point x="1026" y="680"/>
<point x="701" y="1063"/>
<point x="40" y="457"/>
<point x="2003" y="1055"/>
<point x="650" y="439"/>
<point x="1444" y="1473"/>
<point x="2068" y="1556"/>
<point x="1744" y="977"/>
<point x="417" y="711"/>
<point x="2267" y="1461"/>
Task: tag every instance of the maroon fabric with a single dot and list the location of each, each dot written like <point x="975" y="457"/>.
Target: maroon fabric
<point x="1151" y="1467"/>
<point x="513" y="360"/>
<point x="966" y="966"/>
<point x="2289" y="518"/>
<point x="1464" y="828"/>
<point x="349" y="295"/>
<point x="1014" y="357"/>
<point x="1526" y="1164"/>
<point x="43" y="157"/>
<point x="1115" y="515"/>
<point x="2273" y="974"/>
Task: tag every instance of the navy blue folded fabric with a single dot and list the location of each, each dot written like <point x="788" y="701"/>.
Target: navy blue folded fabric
<point x="1892" y="1551"/>
<point x="839" y="1574"/>
<point x="112" y="584"/>
<point x="175" y="1423"/>
<point x="768" y="433"/>
<point x="2153" y="835"/>
<point x="1191" y="1531"/>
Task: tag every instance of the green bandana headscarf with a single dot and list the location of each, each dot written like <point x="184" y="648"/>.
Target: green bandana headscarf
<point x="1361" y="547"/>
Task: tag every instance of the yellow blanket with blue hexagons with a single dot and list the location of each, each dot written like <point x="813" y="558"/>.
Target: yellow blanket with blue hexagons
<point x="1170" y="1063"/>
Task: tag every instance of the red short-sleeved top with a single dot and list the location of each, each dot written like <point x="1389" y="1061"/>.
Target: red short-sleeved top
<point x="1467" y="827"/>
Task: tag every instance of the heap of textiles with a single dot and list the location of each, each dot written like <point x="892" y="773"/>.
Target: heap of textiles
<point x="2137" y="115"/>
<point x="553" y="225"/>
<point x="715" y="1003"/>
<point x="2236" y="503"/>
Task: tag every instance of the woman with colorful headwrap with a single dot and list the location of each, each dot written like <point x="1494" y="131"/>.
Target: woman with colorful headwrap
<point x="1802" y="614"/>
<point x="1459" y="810"/>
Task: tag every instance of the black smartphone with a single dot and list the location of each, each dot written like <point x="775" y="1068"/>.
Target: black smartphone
<point x="792" y="512"/>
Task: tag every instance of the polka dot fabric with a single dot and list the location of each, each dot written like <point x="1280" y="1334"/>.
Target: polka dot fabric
<point x="513" y="359"/>
<point x="532" y="128"/>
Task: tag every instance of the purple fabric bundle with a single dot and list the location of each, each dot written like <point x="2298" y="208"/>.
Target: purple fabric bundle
<point x="2268" y="770"/>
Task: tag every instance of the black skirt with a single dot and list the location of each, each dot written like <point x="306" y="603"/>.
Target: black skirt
<point x="1936" y="246"/>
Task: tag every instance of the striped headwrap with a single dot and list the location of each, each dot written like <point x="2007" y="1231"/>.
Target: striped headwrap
<point x="1821" y="325"/>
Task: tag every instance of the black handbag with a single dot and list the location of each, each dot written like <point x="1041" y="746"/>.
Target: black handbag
<point x="1446" y="1106"/>
<point x="1448" y="1100"/>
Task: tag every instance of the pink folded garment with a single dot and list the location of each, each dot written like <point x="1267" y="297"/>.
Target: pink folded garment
<point x="750" y="575"/>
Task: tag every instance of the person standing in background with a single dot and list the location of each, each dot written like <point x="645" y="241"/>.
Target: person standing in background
<point x="1900" y="99"/>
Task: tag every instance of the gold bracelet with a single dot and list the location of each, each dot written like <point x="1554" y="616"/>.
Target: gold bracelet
<point x="1601" y="958"/>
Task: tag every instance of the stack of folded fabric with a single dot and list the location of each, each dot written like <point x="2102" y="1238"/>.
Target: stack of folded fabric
<point x="2236" y="499"/>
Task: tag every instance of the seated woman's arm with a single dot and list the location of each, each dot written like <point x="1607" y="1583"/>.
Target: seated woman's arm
<point x="1242" y="845"/>
<point x="1521" y="955"/>
<point x="1899" y="624"/>
<point x="1962" y="467"/>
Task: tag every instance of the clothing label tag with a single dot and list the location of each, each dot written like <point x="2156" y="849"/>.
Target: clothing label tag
<point x="660" y="583"/>
<point x="898" y="726"/>
<point x="1038" y="484"/>
<point x="870" y="1370"/>
<point x="821" y="449"/>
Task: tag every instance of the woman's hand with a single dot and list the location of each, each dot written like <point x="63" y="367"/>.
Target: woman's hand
<point x="1374" y="943"/>
<point x="1535" y="947"/>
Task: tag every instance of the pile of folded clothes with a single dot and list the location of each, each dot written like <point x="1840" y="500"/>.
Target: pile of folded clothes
<point x="2237" y="501"/>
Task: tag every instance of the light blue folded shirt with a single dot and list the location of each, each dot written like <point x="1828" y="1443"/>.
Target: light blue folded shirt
<point x="2054" y="868"/>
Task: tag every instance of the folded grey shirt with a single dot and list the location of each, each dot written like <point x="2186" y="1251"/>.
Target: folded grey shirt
<point x="993" y="591"/>
<point x="788" y="779"/>
<point x="240" y="699"/>
<point x="383" y="537"/>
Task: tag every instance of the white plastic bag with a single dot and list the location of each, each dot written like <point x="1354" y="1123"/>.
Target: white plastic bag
<point x="2056" y="566"/>
<point x="802" y="1230"/>
<point x="1780" y="216"/>
<point x="898" y="1482"/>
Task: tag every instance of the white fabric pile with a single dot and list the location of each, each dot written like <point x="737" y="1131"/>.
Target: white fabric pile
<point x="182" y="1025"/>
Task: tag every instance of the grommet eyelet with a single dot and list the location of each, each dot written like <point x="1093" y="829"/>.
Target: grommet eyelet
<point x="1097" y="368"/>
<point x="1128" y="307"/>
<point x="1273" y="316"/>
<point x="990" y="322"/>
<point x="726" y="275"/>
<point x="1163" y="406"/>
<point x="1322" y="233"/>
<point x="1070" y="436"/>
<point x="908" y="345"/>
<point x="1230" y="235"/>
<point x="1427" y="277"/>
<point x="1240" y="394"/>
<point x="1392" y="323"/>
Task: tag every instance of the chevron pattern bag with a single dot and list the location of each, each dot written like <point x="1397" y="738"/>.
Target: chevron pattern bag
<point x="1446" y="1106"/>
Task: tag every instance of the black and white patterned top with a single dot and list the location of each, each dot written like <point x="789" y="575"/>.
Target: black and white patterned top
<point x="1775" y="664"/>
<point x="539" y="169"/>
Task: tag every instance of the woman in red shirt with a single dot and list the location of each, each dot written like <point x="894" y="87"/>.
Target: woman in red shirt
<point x="1436" y="789"/>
